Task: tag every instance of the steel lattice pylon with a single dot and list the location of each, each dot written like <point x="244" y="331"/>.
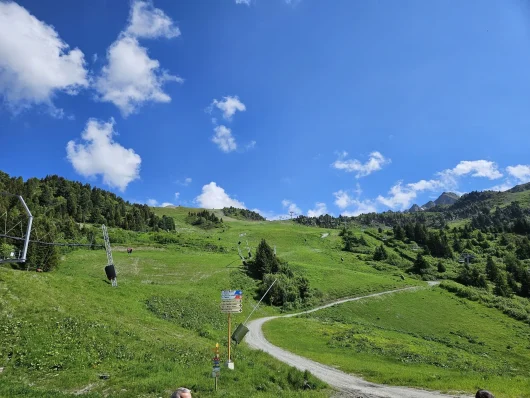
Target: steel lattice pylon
<point x="107" y="245"/>
<point x="110" y="269"/>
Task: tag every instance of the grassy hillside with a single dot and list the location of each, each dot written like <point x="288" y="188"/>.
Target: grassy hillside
<point x="63" y="332"/>
<point x="428" y="338"/>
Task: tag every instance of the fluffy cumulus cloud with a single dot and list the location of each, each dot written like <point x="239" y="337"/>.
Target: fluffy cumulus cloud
<point x="246" y="2"/>
<point x="319" y="210"/>
<point x="476" y="168"/>
<point x="166" y="204"/>
<point x="152" y="202"/>
<point x="400" y="196"/>
<point x="215" y="197"/>
<point x="344" y="200"/>
<point x="177" y="195"/>
<point x="229" y="106"/>
<point x="223" y="135"/>
<point x="131" y="78"/>
<point x="100" y="155"/>
<point x="520" y="172"/>
<point x="35" y="63"/>
<point x="361" y="207"/>
<point x="149" y="22"/>
<point x="291" y="207"/>
<point x="375" y="162"/>
<point x="224" y="139"/>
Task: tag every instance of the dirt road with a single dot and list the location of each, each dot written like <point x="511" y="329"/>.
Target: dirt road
<point x="348" y="385"/>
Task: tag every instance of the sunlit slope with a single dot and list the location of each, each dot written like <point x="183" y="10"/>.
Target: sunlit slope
<point x="427" y="338"/>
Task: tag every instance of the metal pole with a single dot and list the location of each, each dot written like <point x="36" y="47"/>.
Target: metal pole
<point x="260" y="301"/>
<point x="229" y="334"/>
<point x="28" y="230"/>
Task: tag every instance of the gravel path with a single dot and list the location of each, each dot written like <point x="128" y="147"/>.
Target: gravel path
<point x="348" y="385"/>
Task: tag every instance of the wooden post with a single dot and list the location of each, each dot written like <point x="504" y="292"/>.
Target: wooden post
<point x="229" y="336"/>
<point x="215" y="383"/>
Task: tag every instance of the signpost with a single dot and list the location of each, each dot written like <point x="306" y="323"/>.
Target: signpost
<point x="216" y="370"/>
<point x="231" y="302"/>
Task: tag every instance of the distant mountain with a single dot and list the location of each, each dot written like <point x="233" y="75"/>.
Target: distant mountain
<point x="428" y="205"/>
<point x="415" y="208"/>
<point x="446" y="198"/>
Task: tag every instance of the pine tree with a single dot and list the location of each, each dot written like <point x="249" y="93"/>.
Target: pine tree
<point x="501" y="286"/>
<point x="492" y="271"/>
<point x="420" y="265"/>
<point x="380" y="253"/>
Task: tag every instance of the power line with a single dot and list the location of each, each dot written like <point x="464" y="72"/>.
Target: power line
<point x="49" y="243"/>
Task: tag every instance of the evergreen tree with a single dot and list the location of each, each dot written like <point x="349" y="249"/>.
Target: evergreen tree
<point x="421" y="265"/>
<point x="441" y="267"/>
<point x="380" y="253"/>
<point x="501" y="286"/>
<point x="492" y="271"/>
<point x="265" y="262"/>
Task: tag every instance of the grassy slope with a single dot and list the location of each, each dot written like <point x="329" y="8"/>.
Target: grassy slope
<point x="430" y="339"/>
<point x="65" y="328"/>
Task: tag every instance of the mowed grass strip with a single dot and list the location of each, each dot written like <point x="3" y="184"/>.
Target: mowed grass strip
<point x="427" y="338"/>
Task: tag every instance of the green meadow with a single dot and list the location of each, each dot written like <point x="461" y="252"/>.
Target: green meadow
<point x="426" y="338"/>
<point x="67" y="332"/>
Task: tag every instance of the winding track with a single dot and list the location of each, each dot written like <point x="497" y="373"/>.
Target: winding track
<point x="348" y="384"/>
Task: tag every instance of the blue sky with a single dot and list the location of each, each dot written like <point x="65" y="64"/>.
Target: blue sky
<point x="336" y="107"/>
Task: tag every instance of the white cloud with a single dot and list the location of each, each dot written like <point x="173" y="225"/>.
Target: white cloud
<point x="319" y="210"/>
<point x="229" y="106"/>
<point x="131" y="78"/>
<point x="344" y="200"/>
<point x="502" y="187"/>
<point x="399" y="197"/>
<point x="152" y="202"/>
<point x="146" y="21"/>
<point x="250" y="145"/>
<point x="477" y="168"/>
<point x="34" y="62"/>
<point x="247" y="2"/>
<point x="215" y="197"/>
<point x="402" y="196"/>
<point x="521" y="172"/>
<point x="185" y="183"/>
<point x="224" y="139"/>
<point x="375" y="162"/>
<point x="291" y="207"/>
<point x="101" y="155"/>
<point x="177" y="195"/>
<point x="94" y="58"/>
<point x="362" y="207"/>
<point x="166" y="204"/>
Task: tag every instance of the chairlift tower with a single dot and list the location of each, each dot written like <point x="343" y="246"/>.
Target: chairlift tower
<point x="21" y="258"/>
<point x="110" y="261"/>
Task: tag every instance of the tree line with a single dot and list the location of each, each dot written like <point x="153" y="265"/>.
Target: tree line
<point x="242" y="214"/>
<point x="64" y="211"/>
